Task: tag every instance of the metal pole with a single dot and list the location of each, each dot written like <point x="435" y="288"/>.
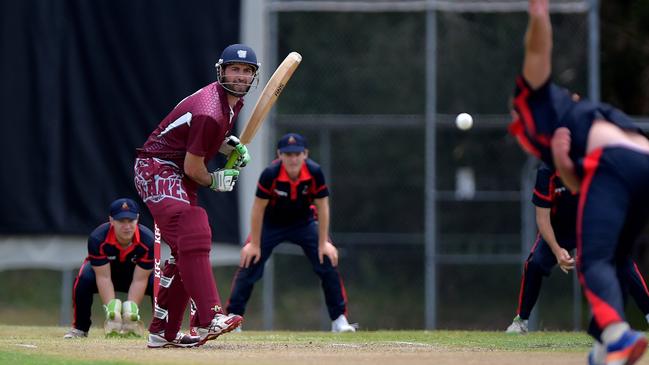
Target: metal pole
<point x="576" y="302"/>
<point x="257" y="33"/>
<point x="66" y="297"/>
<point x="268" y="295"/>
<point x="269" y="276"/>
<point x="430" y="216"/>
<point x="594" y="93"/>
<point x="593" y="51"/>
<point x="528" y="222"/>
<point x="324" y="136"/>
<point x="324" y="141"/>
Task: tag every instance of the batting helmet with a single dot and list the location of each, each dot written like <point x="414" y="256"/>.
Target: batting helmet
<point x="236" y="53"/>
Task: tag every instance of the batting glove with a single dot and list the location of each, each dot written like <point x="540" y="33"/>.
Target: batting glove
<point x="224" y="179"/>
<point x="232" y="146"/>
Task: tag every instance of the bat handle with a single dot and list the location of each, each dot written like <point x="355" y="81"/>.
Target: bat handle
<point x="234" y="156"/>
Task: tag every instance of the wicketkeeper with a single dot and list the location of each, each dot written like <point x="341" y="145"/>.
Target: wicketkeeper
<point x="120" y="259"/>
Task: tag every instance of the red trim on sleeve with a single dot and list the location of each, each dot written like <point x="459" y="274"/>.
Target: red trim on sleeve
<point x="521" y="102"/>
<point x="526" y="122"/>
<point x="547" y="198"/>
<point x="260" y="187"/>
<point x="516" y="129"/>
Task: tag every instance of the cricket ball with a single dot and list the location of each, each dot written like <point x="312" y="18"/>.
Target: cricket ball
<point x="464" y="121"/>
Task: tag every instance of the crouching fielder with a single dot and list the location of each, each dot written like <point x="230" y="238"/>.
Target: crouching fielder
<point x="120" y="259"/>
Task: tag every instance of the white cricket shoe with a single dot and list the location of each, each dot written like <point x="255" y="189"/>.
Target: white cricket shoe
<point x="158" y="340"/>
<point x="75" y="333"/>
<point x="220" y="324"/>
<point x="518" y="326"/>
<point x="341" y="325"/>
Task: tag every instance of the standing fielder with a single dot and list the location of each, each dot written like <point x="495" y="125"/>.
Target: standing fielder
<point x="169" y="169"/>
<point x="283" y="211"/>
<point x="556" y="219"/>
<point x="600" y="152"/>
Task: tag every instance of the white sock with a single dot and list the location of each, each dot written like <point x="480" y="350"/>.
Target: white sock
<point x="614" y="331"/>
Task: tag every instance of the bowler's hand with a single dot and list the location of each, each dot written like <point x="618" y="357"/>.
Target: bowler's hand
<point x="329" y="250"/>
<point x="566" y="263"/>
<point x="249" y="254"/>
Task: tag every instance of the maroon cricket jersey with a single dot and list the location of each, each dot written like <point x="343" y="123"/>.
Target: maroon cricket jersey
<point x="198" y="124"/>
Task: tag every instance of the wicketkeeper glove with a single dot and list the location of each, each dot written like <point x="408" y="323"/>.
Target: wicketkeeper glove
<point x="224" y="179"/>
<point x="230" y="147"/>
<point x="113" y="310"/>
<point x="113" y="323"/>
<point x="130" y="311"/>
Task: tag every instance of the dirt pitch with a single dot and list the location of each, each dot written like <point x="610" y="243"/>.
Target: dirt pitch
<point x="288" y="348"/>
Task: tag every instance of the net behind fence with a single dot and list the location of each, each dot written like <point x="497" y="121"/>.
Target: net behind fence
<point x="360" y="98"/>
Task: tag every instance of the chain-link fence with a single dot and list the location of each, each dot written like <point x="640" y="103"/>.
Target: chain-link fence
<point x="360" y="98"/>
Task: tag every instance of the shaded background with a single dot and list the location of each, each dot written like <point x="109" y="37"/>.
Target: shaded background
<point x="83" y="85"/>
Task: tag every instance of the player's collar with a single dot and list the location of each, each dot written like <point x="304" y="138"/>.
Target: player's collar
<point x="302" y="176"/>
<point x="112" y="238"/>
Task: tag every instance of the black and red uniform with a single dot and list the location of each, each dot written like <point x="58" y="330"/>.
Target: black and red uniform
<point x="549" y="192"/>
<point x="614" y="199"/>
<point x="103" y="249"/>
<point x="289" y="217"/>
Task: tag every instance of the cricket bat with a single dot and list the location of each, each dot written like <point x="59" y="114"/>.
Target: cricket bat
<point x="267" y="99"/>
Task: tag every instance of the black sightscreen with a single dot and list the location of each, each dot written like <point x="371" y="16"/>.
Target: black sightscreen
<point x="83" y="83"/>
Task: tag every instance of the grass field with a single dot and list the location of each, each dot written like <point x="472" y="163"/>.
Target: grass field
<point x="45" y="345"/>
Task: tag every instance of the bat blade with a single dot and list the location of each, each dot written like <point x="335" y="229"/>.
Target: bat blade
<point x="267" y="99"/>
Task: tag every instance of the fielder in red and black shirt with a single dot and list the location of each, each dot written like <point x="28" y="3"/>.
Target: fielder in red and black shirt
<point x="120" y="259"/>
<point x="601" y="153"/>
<point x="556" y="219"/>
<point x="283" y="211"/>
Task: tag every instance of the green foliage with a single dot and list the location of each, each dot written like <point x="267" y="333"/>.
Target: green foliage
<point x="354" y="63"/>
<point x="625" y="51"/>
